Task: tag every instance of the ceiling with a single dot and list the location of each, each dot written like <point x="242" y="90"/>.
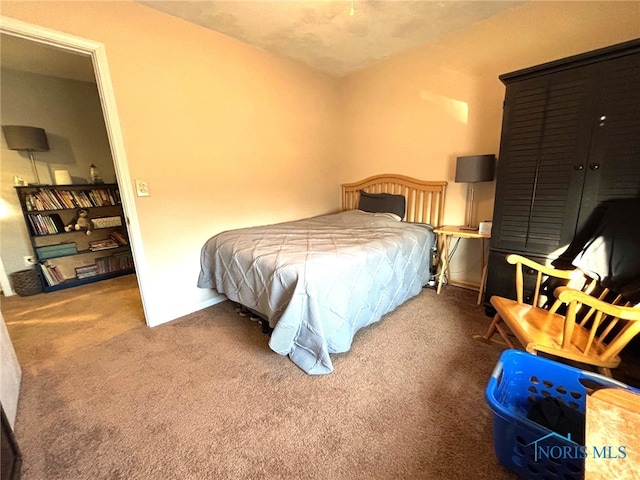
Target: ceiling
<point x="33" y="57"/>
<point x="323" y="34"/>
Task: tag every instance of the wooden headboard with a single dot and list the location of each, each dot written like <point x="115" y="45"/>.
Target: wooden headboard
<point x="425" y="200"/>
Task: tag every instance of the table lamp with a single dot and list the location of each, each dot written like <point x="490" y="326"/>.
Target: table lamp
<point x="472" y="169"/>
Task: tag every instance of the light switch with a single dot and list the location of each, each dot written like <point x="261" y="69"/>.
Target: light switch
<point x="142" y="188"/>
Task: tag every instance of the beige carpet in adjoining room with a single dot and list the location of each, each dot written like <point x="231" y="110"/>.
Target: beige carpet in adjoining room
<point x="105" y="397"/>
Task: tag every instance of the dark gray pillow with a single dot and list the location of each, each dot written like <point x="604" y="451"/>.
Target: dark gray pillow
<point x="382" y="203"/>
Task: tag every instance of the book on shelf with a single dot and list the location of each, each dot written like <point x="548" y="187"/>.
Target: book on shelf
<point x="48" y="276"/>
<point x="105" y="244"/>
<point x="87" y="271"/>
<point x="119" y="237"/>
<point x="52" y="274"/>
<point x="49" y="198"/>
<point x="46" y="224"/>
<point x="57" y="274"/>
<point x="114" y="263"/>
<point x="56" y="250"/>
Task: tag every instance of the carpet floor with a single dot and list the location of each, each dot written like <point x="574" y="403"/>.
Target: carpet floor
<point x="105" y="397"/>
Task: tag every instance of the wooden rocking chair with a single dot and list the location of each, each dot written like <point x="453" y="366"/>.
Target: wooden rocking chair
<point x="580" y="325"/>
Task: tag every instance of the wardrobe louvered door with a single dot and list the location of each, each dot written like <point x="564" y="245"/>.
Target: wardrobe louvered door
<point x="613" y="168"/>
<point x="570" y="142"/>
<point x="545" y="139"/>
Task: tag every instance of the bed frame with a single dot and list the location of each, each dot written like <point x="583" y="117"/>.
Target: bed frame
<point x="425" y="204"/>
<point x="425" y="200"/>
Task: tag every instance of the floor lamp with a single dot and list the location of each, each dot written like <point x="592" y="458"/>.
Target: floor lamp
<point x="27" y="139"/>
<point x="473" y="169"/>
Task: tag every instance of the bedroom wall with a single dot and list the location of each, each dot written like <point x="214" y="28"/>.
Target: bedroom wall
<point x="418" y="111"/>
<point x="228" y="135"/>
<point x="71" y="114"/>
<point x="225" y="134"/>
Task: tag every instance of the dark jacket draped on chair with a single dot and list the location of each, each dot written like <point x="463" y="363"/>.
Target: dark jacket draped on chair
<point x="612" y="252"/>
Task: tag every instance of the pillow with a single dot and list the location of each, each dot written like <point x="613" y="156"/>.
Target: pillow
<point x="382" y="203"/>
<point x="389" y="215"/>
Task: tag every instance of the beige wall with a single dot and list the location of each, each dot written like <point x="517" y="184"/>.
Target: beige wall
<point x="228" y="135"/>
<point x="416" y="112"/>
<point x="225" y="135"/>
<point x="412" y="116"/>
<point x="71" y="114"/>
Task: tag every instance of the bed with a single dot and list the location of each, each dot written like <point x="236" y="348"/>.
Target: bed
<point x="319" y="280"/>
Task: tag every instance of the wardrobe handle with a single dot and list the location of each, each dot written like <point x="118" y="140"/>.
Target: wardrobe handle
<point x="594" y="166"/>
<point x="578" y="167"/>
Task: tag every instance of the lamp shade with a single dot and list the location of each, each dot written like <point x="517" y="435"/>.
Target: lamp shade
<point x="28" y="139"/>
<point x="475" y="168"/>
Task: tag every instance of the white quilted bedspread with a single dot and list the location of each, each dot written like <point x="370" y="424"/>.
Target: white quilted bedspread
<point x="321" y="279"/>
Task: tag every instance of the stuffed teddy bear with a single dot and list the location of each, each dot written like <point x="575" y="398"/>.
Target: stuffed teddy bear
<point x="80" y="221"/>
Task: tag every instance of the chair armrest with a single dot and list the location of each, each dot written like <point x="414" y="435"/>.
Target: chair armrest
<point x="567" y="295"/>
<point x="553" y="272"/>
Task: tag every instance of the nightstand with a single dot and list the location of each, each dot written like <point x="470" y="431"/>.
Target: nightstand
<point x="446" y="234"/>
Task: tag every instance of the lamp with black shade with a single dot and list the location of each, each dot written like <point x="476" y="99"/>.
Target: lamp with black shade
<point x="473" y="169"/>
<point x="27" y="139"/>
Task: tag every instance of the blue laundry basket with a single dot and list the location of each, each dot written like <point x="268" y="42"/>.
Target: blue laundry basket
<point x="520" y="380"/>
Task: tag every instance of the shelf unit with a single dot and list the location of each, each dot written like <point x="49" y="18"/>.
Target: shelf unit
<point x="67" y="259"/>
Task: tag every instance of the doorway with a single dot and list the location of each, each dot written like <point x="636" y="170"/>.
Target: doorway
<point x="77" y="56"/>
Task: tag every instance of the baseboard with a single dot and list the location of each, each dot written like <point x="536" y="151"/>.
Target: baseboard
<point x="210" y="302"/>
<point x="179" y="313"/>
<point x="467" y="285"/>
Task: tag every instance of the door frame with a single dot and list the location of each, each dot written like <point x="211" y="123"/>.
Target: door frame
<point x="96" y="51"/>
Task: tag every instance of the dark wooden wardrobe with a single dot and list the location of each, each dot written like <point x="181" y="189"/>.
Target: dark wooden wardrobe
<point x="570" y="142"/>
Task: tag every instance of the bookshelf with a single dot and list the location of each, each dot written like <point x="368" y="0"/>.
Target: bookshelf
<point x="66" y="257"/>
